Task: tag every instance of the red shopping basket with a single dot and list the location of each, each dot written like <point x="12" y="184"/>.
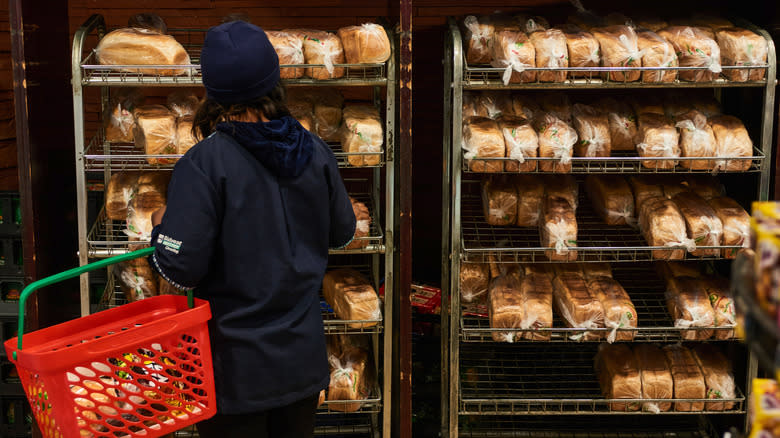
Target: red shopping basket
<point x="139" y="370"/>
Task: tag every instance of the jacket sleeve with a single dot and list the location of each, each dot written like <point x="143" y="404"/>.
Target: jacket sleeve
<point x="342" y="217"/>
<point x="185" y="239"/>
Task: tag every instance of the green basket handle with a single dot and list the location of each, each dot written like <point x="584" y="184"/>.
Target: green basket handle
<point x="75" y="272"/>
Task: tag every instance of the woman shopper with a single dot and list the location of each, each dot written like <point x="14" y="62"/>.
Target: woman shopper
<point x="252" y="210"/>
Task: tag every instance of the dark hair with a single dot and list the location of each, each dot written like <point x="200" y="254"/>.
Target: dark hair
<point x="236" y="16"/>
<point x="147" y="20"/>
<point x="273" y="106"/>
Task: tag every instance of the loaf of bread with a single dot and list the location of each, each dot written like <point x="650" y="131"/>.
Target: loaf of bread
<point x="326" y="106"/>
<point x="365" y="44"/>
<point x="706" y="186"/>
<point x="183" y="103"/>
<point x="499" y="202"/>
<point x="289" y="49"/>
<point x="494" y="104"/>
<point x="732" y="141"/>
<point x="619" y="48"/>
<point x="742" y="47"/>
<point x="557" y="104"/>
<point x="644" y="188"/>
<point x="525" y="107"/>
<point x="619" y="377"/>
<point x="149" y="195"/>
<point x="704" y="227"/>
<point x="651" y="23"/>
<point x="696" y="140"/>
<point x="537" y="291"/>
<point x="558" y="229"/>
<point x="323" y="48"/>
<point x="669" y="270"/>
<point x="551" y="52"/>
<point x="479" y="35"/>
<point x="592" y="271"/>
<point x="619" y="311"/>
<point x="362" y="132"/>
<point x="474" y="278"/>
<point x="505" y="307"/>
<point x="119" y="192"/>
<point x="185" y="140"/>
<point x="592" y="128"/>
<point x="647" y="103"/>
<point x="118" y="119"/>
<point x="533" y="23"/>
<point x="694" y="48"/>
<point x="656" y="52"/>
<point x="689" y="306"/>
<point x="687" y="376"/>
<point x="622" y="123"/>
<point x="521" y="143"/>
<point x="662" y="224"/>
<point x="556" y="140"/>
<point x="137" y="47"/>
<point x="710" y="21"/>
<point x="584" y="49"/>
<point x="155" y="132"/>
<point x="302" y="110"/>
<point x="562" y="186"/>
<point x="716" y="368"/>
<point x="362" y="224"/>
<point x="530" y="192"/>
<point x="657" y="137"/>
<point x="347" y="379"/>
<point x="483" y="139"/>
<point x="656" y="378"/>
<point x="612" y="199"/>
<point x="736" y="224"/>
<point x="578" y="306"/>
<point x="514" y="52"/>
<point x="352" y="297"/>
<point x="718" y="289"/>
<point x="137" y="281"/>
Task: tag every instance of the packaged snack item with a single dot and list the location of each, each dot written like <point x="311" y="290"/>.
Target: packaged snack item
<point x="474" y="279"/>
<point x="694" y="48"/>
<point x="742" y="47"/>
<point x="764" y="409"/>
<point x="482" y="138"/>
<point x="556" y="140"/>
<point x="619" y="48"/>
<point x="656" y="378"/>
<point x="365" y="44"/>
<point x="289" y="49"/>
<point x="618" y="372"/>
<point x="704" y="227"/>
<point x="612" y="199"/>
<point x="478" y="39"/>
<point x="592" y="130"/>
<point x="558" y="229"/>
<point x="687" y="376"/>
<point x="696" y="140"/>
<point x="551" y="52"/>
<point x="499" y="202"/>
<point x="514" y="52"/>
<point x="732" y="141"/>
<point x="362" y="132"/>
<point x="118" y="121"/>
<point x="656" y="52"/>
<point x="521" y="143"/>
<point x="657" y="137"/>
<point x="689" y="306"/>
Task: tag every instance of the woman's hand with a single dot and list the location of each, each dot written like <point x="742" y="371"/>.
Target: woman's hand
<point x="157" y="216"/>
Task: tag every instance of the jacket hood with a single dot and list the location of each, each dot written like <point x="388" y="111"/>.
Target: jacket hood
<point x="282" y="145"/>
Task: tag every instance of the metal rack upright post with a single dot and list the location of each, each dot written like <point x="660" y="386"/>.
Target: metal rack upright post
<point x="492" y="389"/>
<point x="373" y="185"/>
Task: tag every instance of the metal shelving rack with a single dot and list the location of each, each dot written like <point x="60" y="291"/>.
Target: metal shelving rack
<point x="373" y="185"/>
<point x="504" y="390"/>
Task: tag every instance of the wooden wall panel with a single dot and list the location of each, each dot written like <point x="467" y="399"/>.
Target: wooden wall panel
<point x="9" y="179"/>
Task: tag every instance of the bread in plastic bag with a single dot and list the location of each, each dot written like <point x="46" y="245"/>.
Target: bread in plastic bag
<point x="619" y="48"/>
<point x="136" y="281"/>
<point x="323" y="48"/>
<point x="482" y="138"/>
<point x="185" y="140"/>
<point x="647" y="103"/>
<point x="706" y="186"/>
<point x="362" y="132"/>
<point x="667" y="270"/>
<point x="474" y="281"/>
<point x="736" y="224"/>
<point x="155" y="132"/>
<point x="558" y="104"/>
<point x="119" y="192"/>
<point x="352" y="297"/>
<point x="289" y="50"/>
<point x="584" y="49"/>
<point x="662" y="224"/>
<point x="302" y="110"/>
<point x="689" y="306"/>
<point x="327" y="107"/>
<point x="499" y="202"/>
<point x="741" y="47"/>
<point x="644" y="188"/>
<point x="707" y="105"/>
<point x="365" y="44"/>
<point x="562" y="186"/>
<point x="551" y="52"/>
<point x="534" y="23"/>
<point x="718" y="290"/>
<point x="592" y="128"/>
<point x="118" y="121"/>
<point x="696" y="140"/>
<point x="612" y="199"/>
<point x="494" y="104"/>
<point x="656" y="378"/>
<point x="505" y="307"/>
<point x="558" y="229"/>
<point x="578" y="306"/>
<point x="716" y="368"/>
<point x="694" y="49"/>
<point x="362" y="224"/>
<point x="713" y="22"/>
<point x="183" y="103"/>
<point x="618" y="373"/>
<point x="733" y="141"/>
<point x="514" y="52"/>
<point x="148" y="196"/>
<point x="525" y="107"/>
<point x="521" y="143"/>
<point x="537" y="291"/>
<point x="348" y="372"/>
<point x="687" y="376"/>
<point x="478" y="36"/>
<point x="619" y="311"/>
<point x="651" y="23"/>
<point x="556" y="140"/>
<point x="139" y="47"/>
<point x="622" y="123"/>
<point x="657" y="137"/>
<point x="656" y="52"/>
<point x="530" y="193"/>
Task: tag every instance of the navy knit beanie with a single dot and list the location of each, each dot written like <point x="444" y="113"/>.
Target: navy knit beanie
<point x="238" y="63"/>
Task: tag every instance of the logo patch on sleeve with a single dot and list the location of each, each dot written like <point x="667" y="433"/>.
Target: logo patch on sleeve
<point x="169" y="244"/>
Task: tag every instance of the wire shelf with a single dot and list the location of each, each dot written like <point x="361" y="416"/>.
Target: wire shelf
<point x="545" y="380"/>
<point x="626" y="162"/>
<point x="118" y="157"/>
<point x="94" y="74"/>
<point x="647" y="292"/>
<point x="372" y="405"/>
<point x="345" y="425"/>
<point x="597" y="242"/>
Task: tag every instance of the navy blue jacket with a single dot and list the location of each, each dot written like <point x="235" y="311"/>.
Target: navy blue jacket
<point x="251" y="213"/>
